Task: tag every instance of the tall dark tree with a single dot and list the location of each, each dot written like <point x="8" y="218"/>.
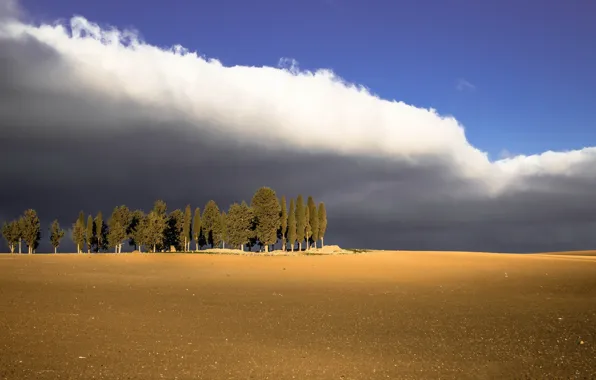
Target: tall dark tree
<point x="313" y="220"/>
<point x="31" y="229"/>
<point x="89" y="233"/>
<point x="135" y="230"/>
<point x="155" y="228"/>
<point x="117" y="227"/>
<point x="186" y="230"/>
<point x="11" y="232"/>
<point x="99" y="231"/>
<point x="291" y="235"/>
<point x="173" y="231"/>
<point x="235" y="232"/>
<point x="283" y="222"/>
<point x="78" y="234"/>
<point x="82" y="220"/>
<point x="20" y="228"/>
<point x="56" y="235"/>
<point x="224" y="229"/>
<point x="211" y="223"/>
<point x="267" y="212"/>
<point x="196" y="227"/>
<point x="300" y="221"/>
<point x="160" y="210"/>
<point x="307" y="227"/>
<point x="322" y="222"/>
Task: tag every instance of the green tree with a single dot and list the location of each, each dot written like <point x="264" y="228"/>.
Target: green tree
<point x="291" y="235"/>
<point x="99" y="233"/>
<point x="89" y="234"/>
<point x="20" y="229"/>
<point x="300" y="221"/>
<point x="196" y="227"/>
<point x="313" y="221"/>
<point x="267" y="212"/>
<point x="307" y="227"/>
<point x="211" y="223"/>
<point x="174" y="228"/>
<point x="11" y="232"/>
<point x="56" y="235"/>
<point x="224" y="229"/>
<point x="322" y="222"/>
<point x="78" y="234"/>
<point x="186" y="230"/>
<point x="117" y="227"/>
<point x="136" y="230"/>
<point x="155" y="227"/>
<point x="160" y="210"/>
<point x="283" y="222"/>
<point x="239" y="222"/>
<point x="31" y="229"/>
<point x="82" y="217"/>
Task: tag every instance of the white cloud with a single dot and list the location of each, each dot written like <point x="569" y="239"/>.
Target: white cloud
<point x="306" y="110"/>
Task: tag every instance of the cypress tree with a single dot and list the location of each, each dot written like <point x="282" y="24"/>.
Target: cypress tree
<point x="292" y="225"/>
<point x="118" y="226"/>
<point x="99" y="232"/>
<point x="313" y="220"/>
<point x="186" y="229"/>
<point x="307" y="227"/>
<point x="20" y="226"/>
<point x="196" y="227"/>
<point x="78" y="234"/>
<point x="267" y="212"/>
<point x="224" y="229"/>
<point x="322" y="222"/>
<point x="56" y="235"/>
<point x="82" y="218"/>
<point x="283" y="222"/>
<point x="11" y="232"/>
<point x="137" y="233"/>
<point x="89" y="234"/>
<point x="211" y="223"/>
<point x="159" y="212"/>
<point x="300" y="221"/>
<point x="31" y="229"/>
<point x="173" y="231"/>
<point x="247" y="225"/>
<point x="155" y="227"/>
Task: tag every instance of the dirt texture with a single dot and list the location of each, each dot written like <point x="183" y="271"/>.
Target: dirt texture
<point x="382" y="315"/>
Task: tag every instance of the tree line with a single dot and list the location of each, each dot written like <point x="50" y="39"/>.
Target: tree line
<point x="265" y="222"/>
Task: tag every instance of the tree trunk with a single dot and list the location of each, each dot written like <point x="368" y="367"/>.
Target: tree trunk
<point x="197" y="245"/>
<point x="266" y="247"/>
<point x="55" y="249"/>
<point x="300" y="246"/>
<point x="315" y="244"/>
<point x="322" y="244"/>
<point x="154" y="248"/>
<point x="223" y="245"/>
<point x="292" y="246"/>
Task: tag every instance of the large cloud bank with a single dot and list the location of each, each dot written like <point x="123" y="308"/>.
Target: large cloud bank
<point x="92" y="117"/>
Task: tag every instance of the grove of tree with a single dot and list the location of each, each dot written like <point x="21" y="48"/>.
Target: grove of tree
<point x="264" y="223"/>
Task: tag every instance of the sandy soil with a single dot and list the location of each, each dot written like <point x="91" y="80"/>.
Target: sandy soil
<point x="384" y="315"/>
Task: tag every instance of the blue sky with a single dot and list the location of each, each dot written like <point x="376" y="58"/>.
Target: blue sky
<point x="531" y="63"/>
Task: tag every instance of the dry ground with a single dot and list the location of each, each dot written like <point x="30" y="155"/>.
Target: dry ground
<point x="385" y="315"/>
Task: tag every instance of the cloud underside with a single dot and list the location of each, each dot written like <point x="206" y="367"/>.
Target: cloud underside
<point x="91" y="118"/>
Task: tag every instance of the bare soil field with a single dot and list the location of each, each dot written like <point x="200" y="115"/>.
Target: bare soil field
<point x="381" y="315"/>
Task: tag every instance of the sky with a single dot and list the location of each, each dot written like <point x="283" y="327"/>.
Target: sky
<point x="422" y="125"/>
<point x="518" y="75"/>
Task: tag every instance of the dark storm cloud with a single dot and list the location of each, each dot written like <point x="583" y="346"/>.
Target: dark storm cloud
<point x="66" y="146"/>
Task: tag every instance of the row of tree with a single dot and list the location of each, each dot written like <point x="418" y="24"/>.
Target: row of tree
<point x="265" y="222"/>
